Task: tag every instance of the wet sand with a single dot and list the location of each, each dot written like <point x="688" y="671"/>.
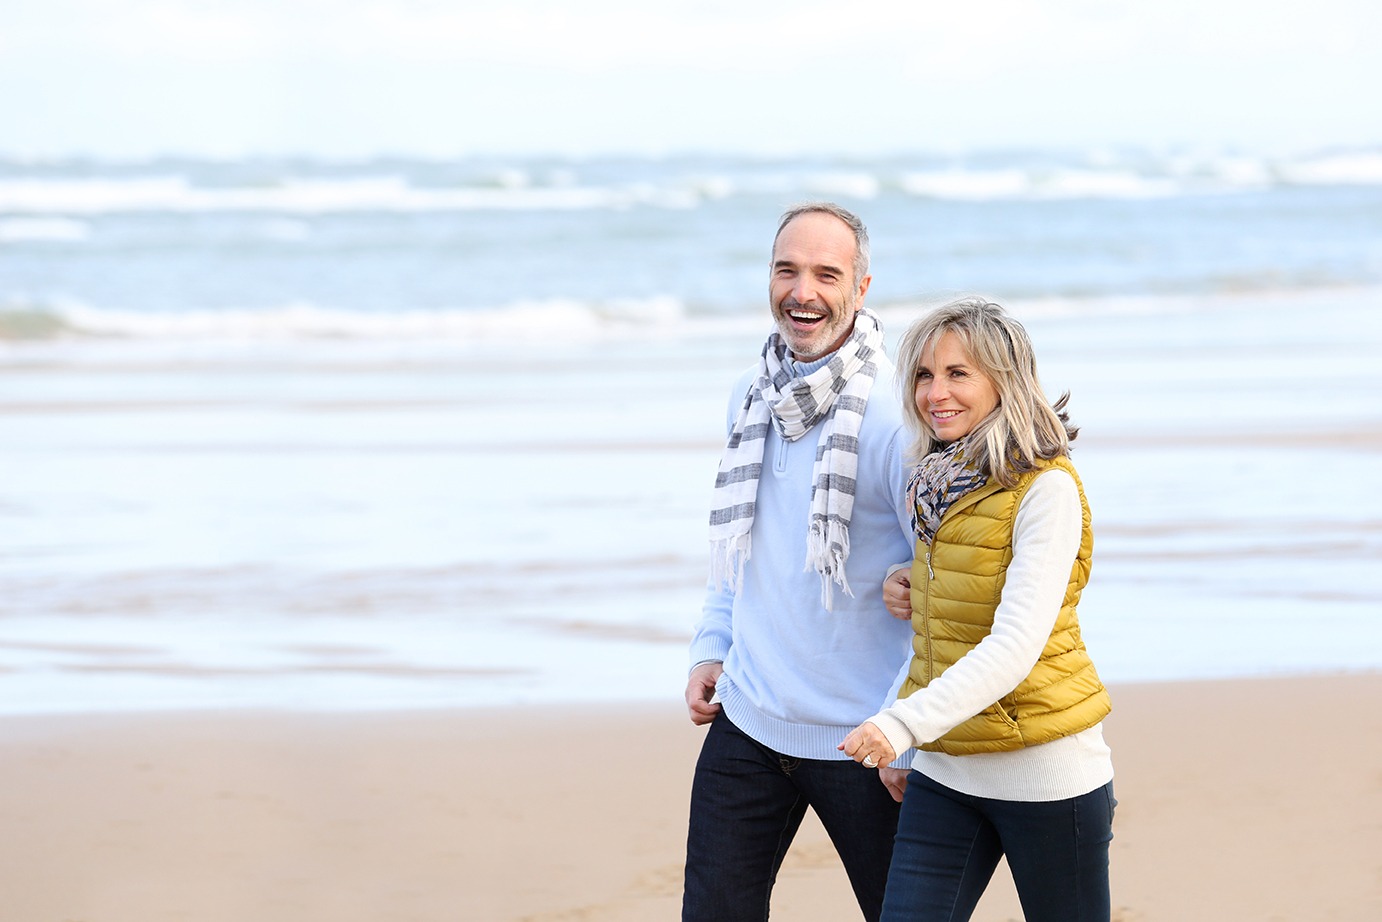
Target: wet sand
<point x="1248" y="800"/>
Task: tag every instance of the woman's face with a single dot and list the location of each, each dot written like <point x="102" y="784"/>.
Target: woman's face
<point x="951" y="394"/>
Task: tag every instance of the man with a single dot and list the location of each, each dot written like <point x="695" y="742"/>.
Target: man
<point x="787" y="660"/>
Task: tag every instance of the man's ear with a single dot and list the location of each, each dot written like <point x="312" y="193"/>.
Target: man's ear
<point x="863" y="290"/>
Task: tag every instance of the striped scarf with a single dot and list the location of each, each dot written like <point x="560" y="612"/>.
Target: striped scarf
<point x="941" y="478"/>
<point x="837" y="393"/>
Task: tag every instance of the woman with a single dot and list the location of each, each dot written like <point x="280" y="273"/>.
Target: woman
<point x="1000" y="698"/>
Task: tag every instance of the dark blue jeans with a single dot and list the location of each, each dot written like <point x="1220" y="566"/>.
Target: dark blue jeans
<point x="747" y="803"/>
<point x="949" y="843"/>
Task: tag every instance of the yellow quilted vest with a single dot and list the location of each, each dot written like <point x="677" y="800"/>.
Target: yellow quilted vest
<point x="955" y="592"/>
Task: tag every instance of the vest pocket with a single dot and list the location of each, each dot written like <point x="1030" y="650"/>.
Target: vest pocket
<point x="991" y="730"/>
<point x="1001" y="709"/>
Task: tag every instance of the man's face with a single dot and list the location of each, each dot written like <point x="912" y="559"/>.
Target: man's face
<point x="811" y="287"/>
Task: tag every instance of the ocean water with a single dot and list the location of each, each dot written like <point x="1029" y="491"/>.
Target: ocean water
<point x="397" y="434"/>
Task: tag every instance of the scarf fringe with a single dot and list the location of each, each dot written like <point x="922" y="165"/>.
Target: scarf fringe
<point x="728" y="557"/>
<point x="826" y="552"/>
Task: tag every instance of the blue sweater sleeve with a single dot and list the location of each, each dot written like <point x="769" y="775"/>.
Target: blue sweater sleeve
<point x="714" y="633"/>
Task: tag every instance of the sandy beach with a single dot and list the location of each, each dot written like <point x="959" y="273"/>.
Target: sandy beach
<point x="1253" y="799"/>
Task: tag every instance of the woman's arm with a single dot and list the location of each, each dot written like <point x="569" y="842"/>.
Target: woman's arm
<point x="1046" y="538"/>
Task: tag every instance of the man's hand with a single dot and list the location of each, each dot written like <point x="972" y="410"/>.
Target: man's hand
<point x="700" y="688"/>
<point x="895" y="780"/>
<point x="897" y="595"/>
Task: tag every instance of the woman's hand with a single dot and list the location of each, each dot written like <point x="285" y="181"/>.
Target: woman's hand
<point x="897" y="594"/>
<point x="867" y="745"/>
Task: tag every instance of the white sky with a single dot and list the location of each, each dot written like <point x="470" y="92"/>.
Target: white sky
<point x="360" y="77"/>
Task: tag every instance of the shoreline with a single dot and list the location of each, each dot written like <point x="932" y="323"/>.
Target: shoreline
<point x="579" y="812"/>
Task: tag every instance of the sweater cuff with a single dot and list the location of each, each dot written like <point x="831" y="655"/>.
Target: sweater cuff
<point x="709" y="649"/>
<point x="899" y="737"/>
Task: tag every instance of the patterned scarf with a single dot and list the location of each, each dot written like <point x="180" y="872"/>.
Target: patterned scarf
<point x="941" y="478"/>
<point x="837" y="393"/>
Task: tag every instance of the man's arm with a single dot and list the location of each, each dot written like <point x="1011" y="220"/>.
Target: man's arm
<point x="714" y="633"/>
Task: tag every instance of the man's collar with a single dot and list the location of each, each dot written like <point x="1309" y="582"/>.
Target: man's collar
<point x="802" y="369"/>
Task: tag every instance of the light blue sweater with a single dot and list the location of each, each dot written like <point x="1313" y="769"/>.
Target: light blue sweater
<point x="798" y="678"/>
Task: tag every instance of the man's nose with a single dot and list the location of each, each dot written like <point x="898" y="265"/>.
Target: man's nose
<point x="804" y="291"/>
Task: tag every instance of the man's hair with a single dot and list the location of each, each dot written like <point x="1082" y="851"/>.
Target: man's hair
<point x="1025" y="426"/>
<point x="861" y="233"/>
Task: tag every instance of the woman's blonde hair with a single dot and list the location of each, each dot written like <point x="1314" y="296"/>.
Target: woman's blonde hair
<point x="1025" y="426"/>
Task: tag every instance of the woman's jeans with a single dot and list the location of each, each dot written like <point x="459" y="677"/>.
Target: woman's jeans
<point x="949" y="843"/>
<point x="747" y="802"/>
